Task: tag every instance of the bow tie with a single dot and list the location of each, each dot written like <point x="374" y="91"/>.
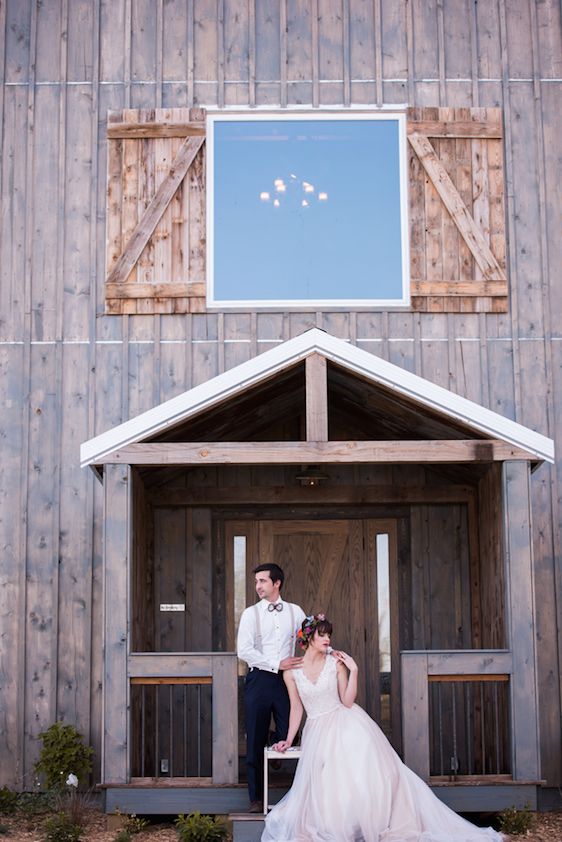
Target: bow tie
<point x="275" y="606"/>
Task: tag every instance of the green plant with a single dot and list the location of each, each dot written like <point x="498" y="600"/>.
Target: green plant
<point x="63" y="753"/>
<point x="32" y="804"/>
<point x="123" y="836"/>
<point x="134" y="824"/>
<point x="61" y="828"/>
<point x="8" y="801"/>
<point x="515" y="822"/>
<point x="198" y="828"/>
<point x="74" y="804"/>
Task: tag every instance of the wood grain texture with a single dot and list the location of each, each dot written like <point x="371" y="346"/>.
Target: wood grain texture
<point x="520" y="619"/>
<point x="154" y="211"/>
<point x="456" y="207"/>
<point x="116" y="573"/>
<point x="316" y="398"/>
<point x="415" y="712"/>
<point x="65" y="66"/>
<point x="450" y="451"/>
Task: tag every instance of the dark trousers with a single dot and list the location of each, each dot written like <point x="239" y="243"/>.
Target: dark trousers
<point x="265" y="693"/>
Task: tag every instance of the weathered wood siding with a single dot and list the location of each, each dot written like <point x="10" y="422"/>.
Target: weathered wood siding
<point x="69" y="371"/>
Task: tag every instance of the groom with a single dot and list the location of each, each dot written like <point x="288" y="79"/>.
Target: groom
<point x="266" y="641"/>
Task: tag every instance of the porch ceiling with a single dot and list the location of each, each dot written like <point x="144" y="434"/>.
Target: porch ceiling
<point x="360" y="397"/>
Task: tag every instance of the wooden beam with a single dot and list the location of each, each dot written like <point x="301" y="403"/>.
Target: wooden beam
<point x="452" y="200"/>
<point x="415" y="712"/>
<point x="164" y="665"/>
<point x="521" y="620"/>
<point x="456" y="128"/>
<point x="286" y="495"/>
<point x="316" y="398"/>
<point x="468" y="677"/>
<point x="117" y="131"/>
<point x="456" y="288"/>
<point x="116" y="545"/>
<point x="139" y="290"/>
<point x="297" y="453"/>
<point x="172" y="680"/>
<point x="225" y="719"/>
<point x="478" y="661"/>
<point x="152" y="215"/>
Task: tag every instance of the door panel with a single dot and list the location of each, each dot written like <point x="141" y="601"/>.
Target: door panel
<point x="331" y="566"/>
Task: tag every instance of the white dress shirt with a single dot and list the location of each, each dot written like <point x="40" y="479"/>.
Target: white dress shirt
<point x="276" y="635"/>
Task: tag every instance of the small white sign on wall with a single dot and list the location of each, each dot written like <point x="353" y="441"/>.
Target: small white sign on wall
<point x="172" y="606"/>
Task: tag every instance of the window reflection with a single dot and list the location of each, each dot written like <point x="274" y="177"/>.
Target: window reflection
<point x="383" y="603"/>
<point x="239" y="555"/>
<point x="307" y="210"/>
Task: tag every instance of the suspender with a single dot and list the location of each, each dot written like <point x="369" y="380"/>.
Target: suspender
<point x="259" y="641"/>
<point x="259" y="644"/>
<point x="292" y="613"/>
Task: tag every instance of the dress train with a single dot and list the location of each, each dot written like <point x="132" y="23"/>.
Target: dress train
<point x="351" y="786"/>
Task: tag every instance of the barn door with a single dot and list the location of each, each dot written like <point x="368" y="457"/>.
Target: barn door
<point x="347" y="569"/>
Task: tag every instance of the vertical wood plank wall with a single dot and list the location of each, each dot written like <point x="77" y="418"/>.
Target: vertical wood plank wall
<point x="69" y="372"/>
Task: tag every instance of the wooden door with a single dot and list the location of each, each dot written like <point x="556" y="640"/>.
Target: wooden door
<point x="345" y="568"/>
<point x="324" y="571"/>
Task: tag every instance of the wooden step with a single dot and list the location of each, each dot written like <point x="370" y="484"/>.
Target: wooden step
<point x="246" y="827"/>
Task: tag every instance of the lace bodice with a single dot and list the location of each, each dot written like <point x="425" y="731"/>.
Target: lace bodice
<point x="321" y="696"/>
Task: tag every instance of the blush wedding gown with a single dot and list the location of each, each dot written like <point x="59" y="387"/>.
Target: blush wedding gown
<point x="351" y="786"/>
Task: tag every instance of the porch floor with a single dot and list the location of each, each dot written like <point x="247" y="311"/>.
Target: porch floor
<point x="173" y="799"/>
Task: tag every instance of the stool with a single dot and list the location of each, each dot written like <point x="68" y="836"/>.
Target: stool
<point x="292" y="753"/>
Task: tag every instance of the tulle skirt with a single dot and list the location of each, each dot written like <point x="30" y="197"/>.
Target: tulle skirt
<point x="351" y="786"/>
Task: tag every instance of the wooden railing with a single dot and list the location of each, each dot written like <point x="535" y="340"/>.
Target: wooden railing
<point x="455" y="710"/>
<point x="469" y="726"/>
<point x="182" y="722"/>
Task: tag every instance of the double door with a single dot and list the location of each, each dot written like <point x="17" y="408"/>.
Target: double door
<point x="345" y="568"/>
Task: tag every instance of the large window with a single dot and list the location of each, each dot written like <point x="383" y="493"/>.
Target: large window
<point x="307" y="210"/>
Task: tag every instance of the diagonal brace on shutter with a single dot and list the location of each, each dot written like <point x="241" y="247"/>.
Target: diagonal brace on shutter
<point x="153" y="213"/>
<point x="449" y="194"/>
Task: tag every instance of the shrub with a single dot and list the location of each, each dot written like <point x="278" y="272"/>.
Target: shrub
<point x="33" y="804"/>
<point x="63" y="752"/>
<point x="198" y="828"/>
<point x="134" y="824"/>
<point x="515" y="822"/>
<point x="8" y="801"/>
<point x="75" y="805"/>
<point x="60" y="828"/>
<point x="123" y="836"/>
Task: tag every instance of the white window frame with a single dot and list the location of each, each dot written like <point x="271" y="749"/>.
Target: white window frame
<point x="395" y="114"/>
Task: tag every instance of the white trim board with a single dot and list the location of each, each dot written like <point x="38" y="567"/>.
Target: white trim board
<point x="264" y="366"/>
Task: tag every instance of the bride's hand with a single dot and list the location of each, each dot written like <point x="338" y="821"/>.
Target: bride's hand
<point x="282" y="745"/>
<point x="345" y="659"/>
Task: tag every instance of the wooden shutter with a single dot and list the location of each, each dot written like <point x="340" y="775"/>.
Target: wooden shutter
<point x="156" y="211"/>
<point x="457" y="216"/>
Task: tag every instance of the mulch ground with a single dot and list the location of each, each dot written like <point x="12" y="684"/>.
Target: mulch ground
<point x="547" y="827"/>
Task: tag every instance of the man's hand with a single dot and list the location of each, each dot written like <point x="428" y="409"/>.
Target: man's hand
<point x="290" y="664"/>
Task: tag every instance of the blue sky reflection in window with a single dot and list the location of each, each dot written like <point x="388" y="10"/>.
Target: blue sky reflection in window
<point x="307" y="210"/>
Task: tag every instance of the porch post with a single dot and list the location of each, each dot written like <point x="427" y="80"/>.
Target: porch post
<point x="116" y="551"/>
<point x="520" y="619"/>
<point x="415" y="712"/>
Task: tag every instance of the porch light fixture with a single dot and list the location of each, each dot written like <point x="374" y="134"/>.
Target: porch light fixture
<point x="312" y="475"/>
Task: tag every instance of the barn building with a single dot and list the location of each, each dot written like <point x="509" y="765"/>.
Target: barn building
<point x="278" y="283"/>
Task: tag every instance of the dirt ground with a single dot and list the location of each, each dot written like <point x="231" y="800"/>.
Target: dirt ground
<point x="547" y="827"/>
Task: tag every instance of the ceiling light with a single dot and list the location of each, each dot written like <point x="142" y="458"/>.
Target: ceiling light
<point x="311" y="476"/>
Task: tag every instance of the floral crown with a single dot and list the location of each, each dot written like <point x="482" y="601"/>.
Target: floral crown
<point x="308" y="627"/>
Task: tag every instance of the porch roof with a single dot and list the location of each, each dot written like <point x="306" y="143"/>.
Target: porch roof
<point x="234" y="382"/>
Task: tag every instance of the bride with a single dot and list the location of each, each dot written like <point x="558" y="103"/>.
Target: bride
<point x="350" y="785"/>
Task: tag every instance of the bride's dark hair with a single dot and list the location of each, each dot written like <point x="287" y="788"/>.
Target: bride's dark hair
<point x="313" y="623"/>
